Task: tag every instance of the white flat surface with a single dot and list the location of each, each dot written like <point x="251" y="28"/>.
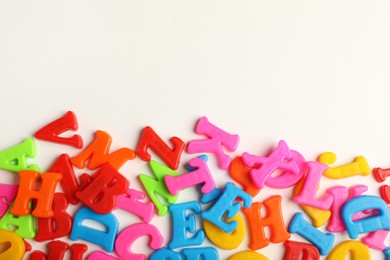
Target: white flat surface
<point x="314" y="73"/>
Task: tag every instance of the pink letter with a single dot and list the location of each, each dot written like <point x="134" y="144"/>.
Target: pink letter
<point x="218" y="138"/>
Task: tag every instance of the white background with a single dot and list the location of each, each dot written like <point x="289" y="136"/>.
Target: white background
<point x="314" y="73"/>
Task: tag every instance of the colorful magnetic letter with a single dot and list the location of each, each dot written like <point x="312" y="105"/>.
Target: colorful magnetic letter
<point x="14" y="159"/>
<point x="182" y="223"/>
<point x="299" y="250"/>
<point x="165" y="254"/>
<point x="103" y="238"/>
<point x="51" y="131"/>
<point x="227" y="241"/>
<point x="201" y="175"/>
<point x="7" y="194"/>
<point x="318" y="216"/>
<point x="248" y="254"/>
<point x="211" y="196"/>
<point x="323" y="242"/>
<point x="376" y="239"/>
<point x="273" y="220"/>
<point x="149" y="139"/>
<point x="98" y="255"/>
<point x="240" y="173"/>
<point x="381" y="174"/>
<point x="57" y="250"/>
<point x="24" y="224"/>
<point x="340" y="196"/>
<point x="44" y="196"/>
<point x="280" y="158"/>
<point x="205" y="253"/>
<point x="59" y="225"/>
<point x="289" y="178"/>
<point x="101" y="193"/>
<point x="130" y="201"/>
<point x="368" y="224"/>
<point x="358" y="167"/>
<point x="217" y="139"/>
<point x="357" y="251"/>
<point x="226" y="204"/>
<point x="308" y="191"/>
<point x="17" y="248"/>
<point x="385" y="193"/>
<point x="128" y="236"/>
<point x="69" y="181"/>
<point x="157" y="186"/>
<point x="97" y="152"/>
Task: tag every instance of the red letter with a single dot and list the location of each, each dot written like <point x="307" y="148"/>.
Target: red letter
<point x="149" y="139"/>
<point x="299" y="250"/>
<point x="100" y="195"/>
<point x="69" y="181"/>
<point x="51" y="131"/>
<point x="57" y="226"/>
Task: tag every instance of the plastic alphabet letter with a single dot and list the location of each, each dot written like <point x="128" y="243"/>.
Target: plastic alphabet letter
<point x="130" y="202"/>
<point x="59" y="225"/>
<point x="105" y="239"/>
<point x="211" y="196"/>
<point x="51" y="131"/>
<point x="69" y="181"/>
<point x="318" y="216"/>
<point x="101" y="193"/>
<point x="308" y="191"/>
<point x="376" y="239"/>
<point x="14" y="159"/>
<point x="248" y="254"/>
<point x="101" y="256"/>
<point x="368" y="224"/>
<point x="157" y="186"/>
<point x="57" y="250"/>
<point x="97" y="152"/>
<point x="98" y="255"/>
<point x="149" y="139"/>
<point x="358" y="167"/>
<point x="217" y="139"/>
<point x="280" y="158"/>
<point x="128" y="236"/>
<point x="340" y="196"/>
<point x="380" y="174"/>
<point x="240" y="173"/>
<point x="204" y="253"/>
<point x="357" y="251"/>
<point x="226" y="204"/>
<point x="7" y="192"/>
<point x="300" y="250"/>
<point x="17" y="247"/>
<point x="44" y="196"/>
<point x="323" y="242"/>
<point x="182" y="223"/>
<point x="227" y="241"/>
<point x="289" y="178"/>
<point x="198" y="176"/>
<point x="165" y="254"/>
<point x="273" y="220"/>
<point x="24" y="224"/>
